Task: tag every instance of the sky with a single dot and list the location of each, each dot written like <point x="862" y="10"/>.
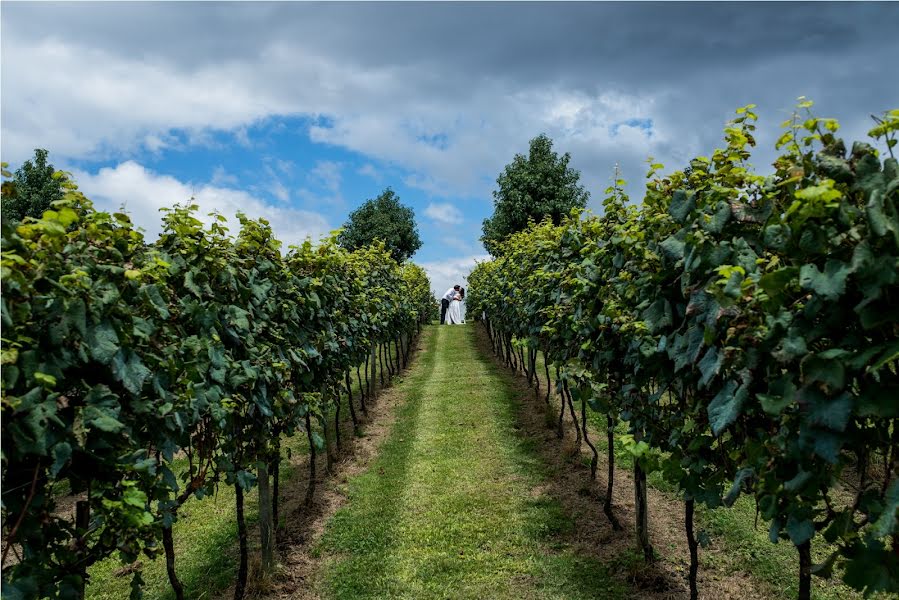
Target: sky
<point x="299" y="112"/>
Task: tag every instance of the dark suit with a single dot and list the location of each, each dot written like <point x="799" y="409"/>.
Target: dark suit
<point x="444" y="305"/>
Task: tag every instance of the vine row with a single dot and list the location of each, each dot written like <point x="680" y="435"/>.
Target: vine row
<point x="745" y="327"/>
<point x="122" y="358"/>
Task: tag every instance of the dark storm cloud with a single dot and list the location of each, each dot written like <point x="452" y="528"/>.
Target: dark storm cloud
<point x="485" y="76"/>
<point x="542" y="41"/>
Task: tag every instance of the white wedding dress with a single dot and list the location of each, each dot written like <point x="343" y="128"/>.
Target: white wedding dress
<point x="454" y="312"/>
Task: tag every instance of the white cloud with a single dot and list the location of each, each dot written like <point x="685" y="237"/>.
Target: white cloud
<point x="286" y="167"/>
<point x="242" y="137"/>
<point x="143" y="192"/>
<point x="444" y="274"/>
<point x="369" y="170"/>
<point x="120" y="79"/>
<point x="279" y="191"/>
<point x="155" y="143"/>
<point x="275" y="170"/>
<point x="326" y="177"/>
<point x="90" y="102"/>
<point x="116" y="104"/>
<point x="326" y="173"/>
<point x="444" y="213"/>
<point x="221" y="177"/>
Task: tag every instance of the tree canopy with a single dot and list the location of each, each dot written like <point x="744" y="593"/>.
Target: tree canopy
<point x="534" y="187"/>
<point x="383" y="218"/>
<point x="33" y="189"/>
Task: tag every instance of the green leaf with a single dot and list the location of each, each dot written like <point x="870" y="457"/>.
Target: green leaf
<point x="886" y="524"/>
<point x="835" y="168"/>
<point x="734" y="287"/>
<point x="824" y="192"/>
<point x="245" y="479"/>
<point x="871" y="567"/>
<point x="827" y="445"/>
<point x="131" y="372"/>
<point x="776" y="281"/>
<point x="736" y="488"/>
<point x="191" y="285"/>
<point x="104" y="342"/>
<point x="75" y="316"/>
<point x="673" y="248"/>
<point x="774" y="531"/>
<point x="782" y="394"/>
<point x="831" y="283"/>
<point x="879" y="218"/>
<point x="792" y="346"/>
<point x="890" y="355"/>
<point x="681" y="204"/>
<point x="48" y="381"/>
<point x="710" y="365"/>
<point x="726" y="406"/>
<point x="829" y="372"/>
<point x="658" y="315"/>
<point x="772" y="404"/>
<point x="800" y="531"/>
<point x="777" y="236"/>
<point x="797" y="482"/>
<point x="827" y="411"/>
<point x="62" y="452"/>
<point x="151" y="292"/>
<point x="720" y="218"/>
<point x="102" y="421"/>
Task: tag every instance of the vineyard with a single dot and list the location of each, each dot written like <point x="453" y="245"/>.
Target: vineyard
<point x="138" y="376"/>
<point x="733" y="337"/>
<point x="744" y="328"/>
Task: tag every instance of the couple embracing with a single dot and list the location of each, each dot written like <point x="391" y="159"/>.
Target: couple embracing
<point x="451" y="306"/>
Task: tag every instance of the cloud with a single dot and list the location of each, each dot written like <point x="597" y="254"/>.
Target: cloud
<point x="326" y="173"/>
<point x="444" y="274"/>
<point x="392" y="83"/>
<point x="143" y="192"/>
<point x="369" y="170"/>
<point x="325" y="176"/>
<point x="221" y="177"/>
<point x="446" y="214"/>
<point x="113" y="103"/>
<point x="279" y="191"/>
<point x="285" y="167"/>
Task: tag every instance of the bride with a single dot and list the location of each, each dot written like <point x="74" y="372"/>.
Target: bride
<point x="454" y="312"/>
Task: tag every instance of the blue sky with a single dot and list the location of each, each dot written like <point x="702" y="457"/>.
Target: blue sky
<point x="298" y="112"/>
<point x="276" y="162"/>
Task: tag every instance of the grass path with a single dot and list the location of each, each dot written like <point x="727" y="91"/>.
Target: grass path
<point x="452" y="507"/>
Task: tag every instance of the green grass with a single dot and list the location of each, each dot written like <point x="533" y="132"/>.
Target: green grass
<point x="205" y="537"/>
<point x="447" y="510"/>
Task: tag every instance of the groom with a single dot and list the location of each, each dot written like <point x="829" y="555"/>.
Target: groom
<point x="445" y="301"/>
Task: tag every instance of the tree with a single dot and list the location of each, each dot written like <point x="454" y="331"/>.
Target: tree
<point x="534" y="187"/>
<point x="382" y="218"/>
<point x="33" y="189"/>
